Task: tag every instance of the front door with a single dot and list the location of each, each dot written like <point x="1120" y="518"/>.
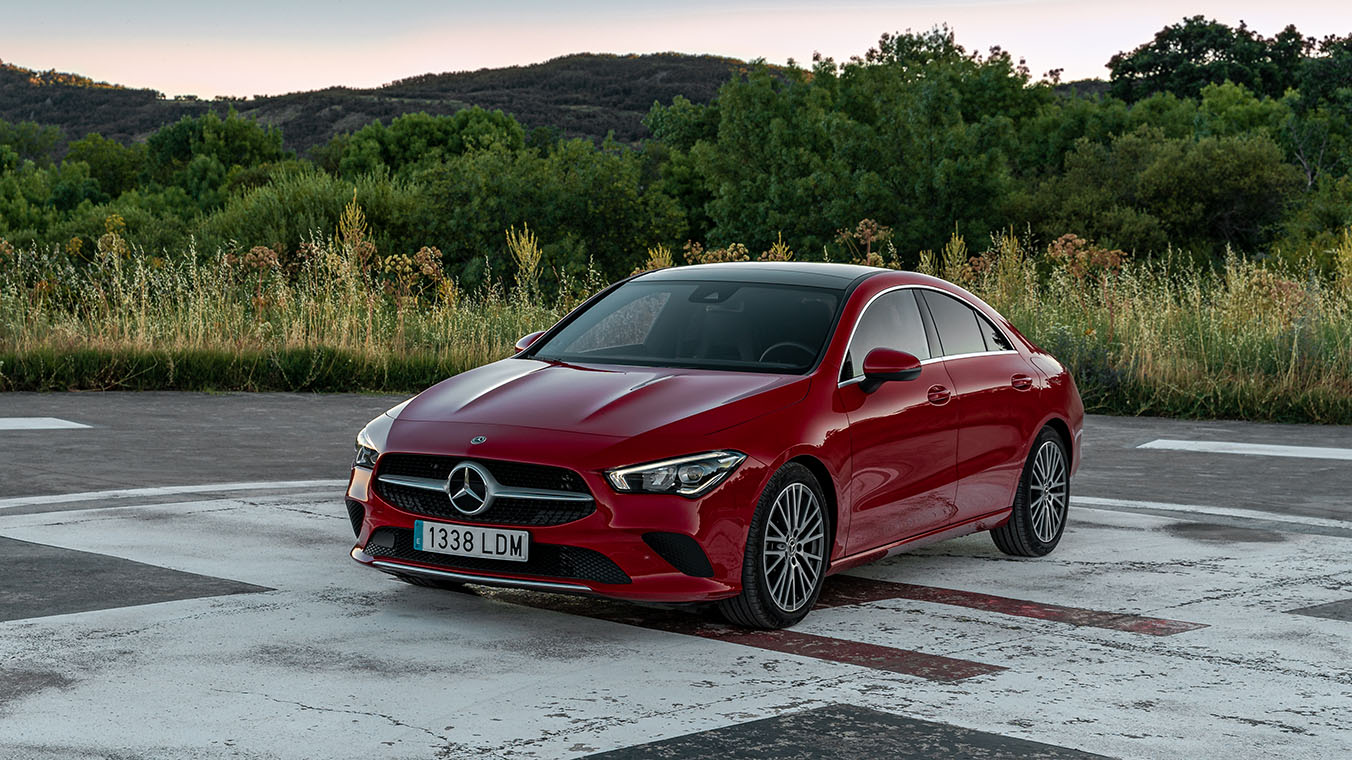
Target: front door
<point x="903" y="436"/>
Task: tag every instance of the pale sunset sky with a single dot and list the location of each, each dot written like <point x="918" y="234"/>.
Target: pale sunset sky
<point x="249" y="47"/>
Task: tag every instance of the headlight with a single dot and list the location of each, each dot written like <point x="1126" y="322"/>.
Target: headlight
<point x="371" y="439"/>
<point x="687" y="476"/>
<point x="366" y="451"/>
<point x="365" y="457"/>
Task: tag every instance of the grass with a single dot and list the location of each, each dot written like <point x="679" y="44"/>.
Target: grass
<point x="1158" y="338"/>
<point x="1238" y="341"/>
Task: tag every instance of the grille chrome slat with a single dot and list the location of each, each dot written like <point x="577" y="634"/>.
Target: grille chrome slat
<point x="427" y="484"/>
<point x="503" y="492"/>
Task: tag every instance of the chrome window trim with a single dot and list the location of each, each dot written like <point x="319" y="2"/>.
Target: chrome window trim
<point x="932" y="359"/>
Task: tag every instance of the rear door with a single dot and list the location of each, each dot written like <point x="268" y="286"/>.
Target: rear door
<point x="992" y="400"/>
<point x="903" y="436"/>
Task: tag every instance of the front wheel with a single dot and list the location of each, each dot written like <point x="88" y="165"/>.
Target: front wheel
<point x="787" y="549"/>
<point x="1039" y="517"/>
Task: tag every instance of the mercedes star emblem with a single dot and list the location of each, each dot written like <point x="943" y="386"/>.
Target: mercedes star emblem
<point x="471" y="488"/>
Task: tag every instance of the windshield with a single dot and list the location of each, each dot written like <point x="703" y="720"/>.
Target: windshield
<point x="744" y="326"/>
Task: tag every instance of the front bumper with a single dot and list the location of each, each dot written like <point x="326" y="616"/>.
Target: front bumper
<point x="404" y="568"/>
<point x="621" y="531"/>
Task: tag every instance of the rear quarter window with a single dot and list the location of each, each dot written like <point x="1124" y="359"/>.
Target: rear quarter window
<point x="960" y="328"/>
<point x="995" y="339"/>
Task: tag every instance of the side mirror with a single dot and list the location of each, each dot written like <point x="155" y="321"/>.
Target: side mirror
<point x="884" y="364"/>
<point x="524" y="343"/>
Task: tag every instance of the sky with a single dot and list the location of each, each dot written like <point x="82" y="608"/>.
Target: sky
<point x="268" y="47"/>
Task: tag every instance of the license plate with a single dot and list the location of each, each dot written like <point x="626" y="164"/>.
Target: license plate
<point x="465" y="541"/>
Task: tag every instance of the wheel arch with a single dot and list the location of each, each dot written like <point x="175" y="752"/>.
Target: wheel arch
<point x="820" y="471"/>
<point x="1063" y="430"/>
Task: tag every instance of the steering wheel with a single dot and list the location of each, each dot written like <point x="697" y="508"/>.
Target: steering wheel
<point x="807" y="350"/>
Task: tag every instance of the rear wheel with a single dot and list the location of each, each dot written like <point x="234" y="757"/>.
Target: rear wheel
<point x="787" y="549"/>
<point x="1040" y="505"/>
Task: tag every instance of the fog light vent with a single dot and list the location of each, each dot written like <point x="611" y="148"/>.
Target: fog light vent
<point x="683" y="552"/>
<point x="356" y="513"/>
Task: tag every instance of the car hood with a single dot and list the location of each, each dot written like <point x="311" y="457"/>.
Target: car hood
<point x="605" y="400"/>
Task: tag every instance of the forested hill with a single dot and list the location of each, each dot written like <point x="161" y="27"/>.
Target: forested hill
<point x="584" y="95"/>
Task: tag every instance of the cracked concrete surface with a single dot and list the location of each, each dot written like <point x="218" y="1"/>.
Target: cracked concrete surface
<point x="340" y="661"/>
<point x="337" y="661"/>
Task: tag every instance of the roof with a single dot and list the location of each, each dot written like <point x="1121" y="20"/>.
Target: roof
<point x="815" y="274"/>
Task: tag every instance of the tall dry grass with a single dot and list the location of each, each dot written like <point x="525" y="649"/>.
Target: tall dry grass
<point x="337" y="317"/>
<point x="1143" y="337"/>
<point x="1169" y="337"/>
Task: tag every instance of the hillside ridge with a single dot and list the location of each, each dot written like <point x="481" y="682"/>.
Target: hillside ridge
<point x="581" y="95"/>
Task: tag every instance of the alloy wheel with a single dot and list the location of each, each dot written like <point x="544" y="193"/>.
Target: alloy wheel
<point x="794" y="552"/>
<point x="1047" y="488"/>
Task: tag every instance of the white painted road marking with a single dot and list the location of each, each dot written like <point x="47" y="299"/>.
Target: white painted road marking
<point x="1092" y="502"/>
<point x="1252" y="449"/>
<point x="38" y="423"/>
<point x="125" y="493"/>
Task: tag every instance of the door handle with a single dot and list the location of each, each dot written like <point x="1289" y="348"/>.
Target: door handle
<point x="1021" y="382"/>
<point x="939" y="395"/>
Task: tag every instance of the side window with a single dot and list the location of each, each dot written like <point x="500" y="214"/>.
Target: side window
<point x="891" y="321"/>
<point x="960" y="328"/>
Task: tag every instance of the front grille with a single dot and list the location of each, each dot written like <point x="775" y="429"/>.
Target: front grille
<point x="546" y="560"/>
<point x="512" y="474"/>
<point x="505" y="511"/>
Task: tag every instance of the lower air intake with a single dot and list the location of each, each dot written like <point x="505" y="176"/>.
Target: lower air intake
<point x="356" y="512"/>
<point x="683" y="552"/>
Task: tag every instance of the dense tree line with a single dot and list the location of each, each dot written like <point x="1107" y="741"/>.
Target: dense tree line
<point x="1211" y="137"/>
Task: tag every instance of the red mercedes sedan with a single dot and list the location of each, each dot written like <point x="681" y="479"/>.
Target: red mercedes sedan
<point x="726" y="433"/>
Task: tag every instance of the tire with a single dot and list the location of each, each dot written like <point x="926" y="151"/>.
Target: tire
<point x="790" y="523"/>
<point x="419" y="580"/>
<point x="1040" y="505"/>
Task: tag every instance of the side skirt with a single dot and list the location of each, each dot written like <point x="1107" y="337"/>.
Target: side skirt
<point x="974" y="525"/>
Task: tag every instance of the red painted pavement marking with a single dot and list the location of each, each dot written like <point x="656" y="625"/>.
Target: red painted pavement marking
<point x="931" y="666"/>
<point x="909" y="662"/>
<point x="842" y="590"/>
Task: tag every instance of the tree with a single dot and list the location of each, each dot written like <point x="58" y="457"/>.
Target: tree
<point x="916" y="134"/>
<point x="1326" y="76"/>
<point x="682" y="124"/>
<point x="302" y="202"/>
<point x="584" y="203"/>
<point x="1046" y="137"/>
<point x="1185" y="57"/>
<point x="418" y="139"/>
<point x="1232" y="109"/>
<point x="1317" y="222"/>
<point x="1144" y="192"/>
<point x="113" y="165"/>
<point x="30" y="141"/>
<point x="1318" y="140"/>
<point x="1223" y="190"/>
<point x="71" y="185"/>
<point x="199" y="153"/>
